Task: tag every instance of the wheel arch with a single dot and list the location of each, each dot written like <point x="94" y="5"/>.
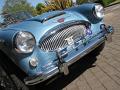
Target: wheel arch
<point x="10" y="67"/>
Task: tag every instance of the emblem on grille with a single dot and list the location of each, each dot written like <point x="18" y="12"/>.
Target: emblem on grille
<point x="88" y="32"/>
<point x="70" y="40"/>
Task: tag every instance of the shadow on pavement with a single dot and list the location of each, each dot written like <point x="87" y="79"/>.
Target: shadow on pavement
<point x="75" y="71"/>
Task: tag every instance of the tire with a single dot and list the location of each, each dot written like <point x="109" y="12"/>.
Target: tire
<point x="10" y="81"/>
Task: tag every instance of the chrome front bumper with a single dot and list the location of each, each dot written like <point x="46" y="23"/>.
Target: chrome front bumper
<point x="63" y="66"/>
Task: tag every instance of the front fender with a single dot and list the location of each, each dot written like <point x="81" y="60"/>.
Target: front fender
<point x="87" y="10"/>
<point x="7" y="38"/>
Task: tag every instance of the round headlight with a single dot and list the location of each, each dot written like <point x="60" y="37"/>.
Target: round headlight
<point x="99" y="11"/>
<point x="24" y="42"/>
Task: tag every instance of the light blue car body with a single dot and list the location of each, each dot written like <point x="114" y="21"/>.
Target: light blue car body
<point x="48" y="61"/>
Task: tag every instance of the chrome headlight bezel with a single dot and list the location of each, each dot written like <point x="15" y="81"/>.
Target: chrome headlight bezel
<point x="98" y="11"/>
<point x="24" y="42"/>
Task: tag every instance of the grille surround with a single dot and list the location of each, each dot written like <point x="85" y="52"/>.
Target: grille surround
<point x="56" y="38"/>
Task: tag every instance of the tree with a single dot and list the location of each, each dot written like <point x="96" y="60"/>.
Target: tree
<point x="13" y="6"/>
<point x="52" y="5"/>
<point x="81" y="1"/>
<point x="57" y="5"/>
<point x="40" y="8"/>
<point x="61" y="4"/>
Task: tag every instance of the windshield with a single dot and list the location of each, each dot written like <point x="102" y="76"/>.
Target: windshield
<point x="12" y="18"/>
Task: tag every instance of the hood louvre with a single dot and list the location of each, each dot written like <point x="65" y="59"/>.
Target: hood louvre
<point x="52" y="16"/>
<point x="47" y="17"/>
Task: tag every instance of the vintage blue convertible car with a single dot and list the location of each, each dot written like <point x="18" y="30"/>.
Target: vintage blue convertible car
<point x="41" y="47"/>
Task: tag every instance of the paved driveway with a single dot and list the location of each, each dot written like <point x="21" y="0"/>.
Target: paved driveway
<point x="104" y="74"/>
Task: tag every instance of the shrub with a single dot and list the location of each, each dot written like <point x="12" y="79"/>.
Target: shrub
<point x="107" y="2"/>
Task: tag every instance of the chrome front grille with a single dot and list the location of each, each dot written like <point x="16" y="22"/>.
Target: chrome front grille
<point x="58" y="40"/>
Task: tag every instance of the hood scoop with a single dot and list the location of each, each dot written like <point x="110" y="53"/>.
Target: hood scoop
<point x="47" y="16"/>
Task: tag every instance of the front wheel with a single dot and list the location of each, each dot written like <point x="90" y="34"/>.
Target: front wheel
<point x="10" y="81"/>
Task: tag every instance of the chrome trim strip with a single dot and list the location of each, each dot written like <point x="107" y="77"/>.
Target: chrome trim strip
<point x="42" y="78"/>
<point x="85" y="52"/>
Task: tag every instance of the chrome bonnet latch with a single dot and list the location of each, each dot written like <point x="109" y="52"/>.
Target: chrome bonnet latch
<point x="63" y="67"/>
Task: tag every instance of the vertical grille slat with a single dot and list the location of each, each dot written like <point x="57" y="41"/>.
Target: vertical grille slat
<point x="57" y="40"/>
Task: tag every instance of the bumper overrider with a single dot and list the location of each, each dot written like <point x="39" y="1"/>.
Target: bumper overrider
<point x="63" y="66"/>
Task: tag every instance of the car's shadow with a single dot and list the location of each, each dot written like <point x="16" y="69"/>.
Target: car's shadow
<point x="75" y="71"/>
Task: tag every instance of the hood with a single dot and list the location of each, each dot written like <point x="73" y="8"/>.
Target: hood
<point x="39" y="25"/>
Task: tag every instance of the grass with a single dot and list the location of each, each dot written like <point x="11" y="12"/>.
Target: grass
<point x="116" y="1"/>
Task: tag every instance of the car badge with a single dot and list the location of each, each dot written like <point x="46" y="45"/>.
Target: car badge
<point x="61" y="20"/>
<point x="70" y="40"/>
<point x="88" y="32"/>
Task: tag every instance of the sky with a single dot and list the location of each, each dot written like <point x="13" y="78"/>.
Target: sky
<point x="1" y="4"/>
<point x="35" y="2"/>
<point x="32" y="2"/>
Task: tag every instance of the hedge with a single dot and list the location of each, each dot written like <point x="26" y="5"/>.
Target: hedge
<point x="107" y="2"/>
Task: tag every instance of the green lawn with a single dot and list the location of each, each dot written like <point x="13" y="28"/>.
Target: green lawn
<point x="110" y="2"/>
<point x="116" y="1"/>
